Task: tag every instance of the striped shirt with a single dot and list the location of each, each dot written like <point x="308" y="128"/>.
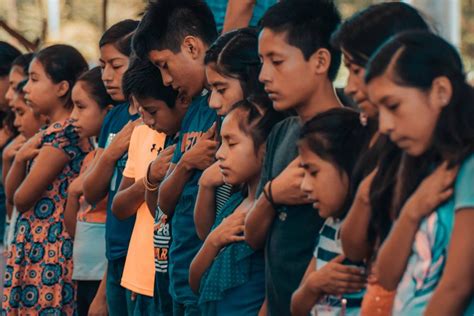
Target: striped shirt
<point x="329" y="247"/>
<point x="223" y="193"/>
<point x="161" y="241"/>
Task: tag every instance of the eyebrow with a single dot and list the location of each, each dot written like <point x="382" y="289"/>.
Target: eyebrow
<point x="110" y="61"/>
<point x="218" y="83"/>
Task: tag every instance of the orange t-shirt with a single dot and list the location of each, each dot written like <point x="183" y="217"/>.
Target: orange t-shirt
<point x="139" y="271"/>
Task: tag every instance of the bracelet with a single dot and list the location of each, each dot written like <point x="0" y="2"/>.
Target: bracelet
<point x="269" y="196"/>
<point x="147" y="183"/>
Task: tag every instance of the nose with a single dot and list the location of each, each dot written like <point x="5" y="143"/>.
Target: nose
<point x="107" y="73"/>
<point x="74" y="115"/>
<point x="167" y="79"/>
<point x="220" y="154"/>
<point x="264" y="75"/>
<point x="351" y="87"/>
<point x="306" y="184"/>
<point x="386" y="124"/>
<point x="9" y="94"/>
<point x="17" y="121"/>
<point x="27" y="87"/>
<point x="214" y="100"/>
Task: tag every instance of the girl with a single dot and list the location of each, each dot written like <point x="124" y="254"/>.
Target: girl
<point x="228" y="274"/>
<point x="18" y="73"/>
<point x="84" y="222"/>
<point x="368" y="222"/>
<point x="39" y="268"/>
<point x="329" y="147"/>
<point x="232" y="68"/>
<point x="415" y="75"/>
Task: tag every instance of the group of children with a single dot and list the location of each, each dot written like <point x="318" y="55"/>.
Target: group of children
<point x="198" y="174"/>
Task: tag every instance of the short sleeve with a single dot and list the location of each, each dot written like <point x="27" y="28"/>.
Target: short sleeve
<point x="464" y="186"/>
<point x="134" y="146"/>
<point x="63" y="137"/>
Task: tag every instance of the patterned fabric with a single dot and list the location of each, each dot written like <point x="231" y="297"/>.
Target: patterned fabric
<point x="38" y="278"/>
<point x="232" y="266"/>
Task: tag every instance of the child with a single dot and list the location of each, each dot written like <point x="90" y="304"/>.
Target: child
<point x="163" y="117"/>
<point x="84" y="222"/>
<point x="413" y="257"/>
<point x="105" y="173"/>
<point x="232" y="67"/>
<point x="364" y="230"/>
<point x="297" y="72"/>
<point x="175" y="35"/>
<point x="18" y="73"/>
<point x="227" y="273"/>
<point x="329" y="147"/>
<point x="145" y="145"/>
<point x="39" y="271"/>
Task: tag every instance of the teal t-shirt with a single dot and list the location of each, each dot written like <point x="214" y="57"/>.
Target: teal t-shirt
<point x="185" y="242"/>
<point x="429" y="251"/>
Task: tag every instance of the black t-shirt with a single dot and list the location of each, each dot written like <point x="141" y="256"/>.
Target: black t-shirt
<point x="290" y="242"/>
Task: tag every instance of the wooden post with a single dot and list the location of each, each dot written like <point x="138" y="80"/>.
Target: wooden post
<point x="105" y="4"/>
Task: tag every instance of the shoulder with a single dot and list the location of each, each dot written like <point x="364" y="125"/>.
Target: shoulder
<point x="62" y="130"/>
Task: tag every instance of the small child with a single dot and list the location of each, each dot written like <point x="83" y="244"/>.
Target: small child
<point x="227" y="273"/>
<point x="329" y="146"/>
<point x="85" y="222"/>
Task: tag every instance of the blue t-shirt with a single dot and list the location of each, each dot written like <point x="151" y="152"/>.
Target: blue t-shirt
<point x="219" y="7"/>
<point x="117" y="232"/>
<point x="430" y="247"/>
<point x="185" y="243"/>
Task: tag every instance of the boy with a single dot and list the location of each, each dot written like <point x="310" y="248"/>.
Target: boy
<point x="298" y="68"/>
<point x="141" y="82"/>
<point x="106" y="170"/>
<point x="175" y="35"/>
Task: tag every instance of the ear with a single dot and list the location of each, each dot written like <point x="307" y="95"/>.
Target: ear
<point x="321" y="61"/>
<point x="62" y="88"/>
<point x="441" y="92"/>
<point x="193" y="46"/>
<point x="109" y="107"/>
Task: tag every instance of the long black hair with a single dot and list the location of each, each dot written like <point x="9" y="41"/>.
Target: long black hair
<point x="417" y="58"/>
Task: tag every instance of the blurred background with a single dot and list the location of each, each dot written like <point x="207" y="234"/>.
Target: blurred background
<point x="29" y="24"/>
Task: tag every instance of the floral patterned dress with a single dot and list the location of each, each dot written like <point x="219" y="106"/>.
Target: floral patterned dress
<point x="38" y="277"/>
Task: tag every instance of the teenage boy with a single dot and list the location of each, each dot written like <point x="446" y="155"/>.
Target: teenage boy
<point x="174" y="35"/>
<point x="298" y="68"/>
<point x="106" y="170"/>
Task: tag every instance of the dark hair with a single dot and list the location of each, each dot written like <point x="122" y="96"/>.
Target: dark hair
<point x="143" y="80"/>
<point x="381" y="21"/>
<point x="308" y="24"/>
<point x="235" y="55"/>
<point x="167" y="22"/>
<point x="7" y="54"/>
<point x="259" y="118"/>
<point x="94" y="86"/>
<point x="23" y="61"/>
<point x="120" y="36"/>
<point x="62" y="63"/>
<point x="415" y="59"/>
<point x="20" y="86"/>
<point x="337" y="137"/>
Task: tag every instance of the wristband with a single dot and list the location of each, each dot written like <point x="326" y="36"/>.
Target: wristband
<point x="269" y="196"/>
<point x="148" y="185"/>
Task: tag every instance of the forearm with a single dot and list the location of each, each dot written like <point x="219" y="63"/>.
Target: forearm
<point x="395" y="251"/>
<point x="15" y="177"/>
<point x="354" y="238"/>
<point x="303" y="300"/>
<point x="238" y="14"/>
<point x="258" y="222"/>
<point x="6" y="165"/>
<point x="456" y="286"/>
<point x="127" y="202"/>
<point x="205" y="210"/>
<point x="70" y="213"/>
<point x="151" y="199"/>
<point x="172" y="187"/>
<point x="97" y="181"/>
<point x="201" y="262"/>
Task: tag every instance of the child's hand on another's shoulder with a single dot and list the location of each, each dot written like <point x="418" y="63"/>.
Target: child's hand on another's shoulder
<point x="159" y="167"/>
<point x="12" y="149"/>
<point x="434" y="190"/>
<point x="286" y="187"/>
<point x="30" y="149"/>
<point x="363" y="191"/>
<point x="229" y="231"/>
<point x="121" y="141"/>
<point x="202" y="154"/>
<point x="212" y="176"/>
<point x="336" y="279"/>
